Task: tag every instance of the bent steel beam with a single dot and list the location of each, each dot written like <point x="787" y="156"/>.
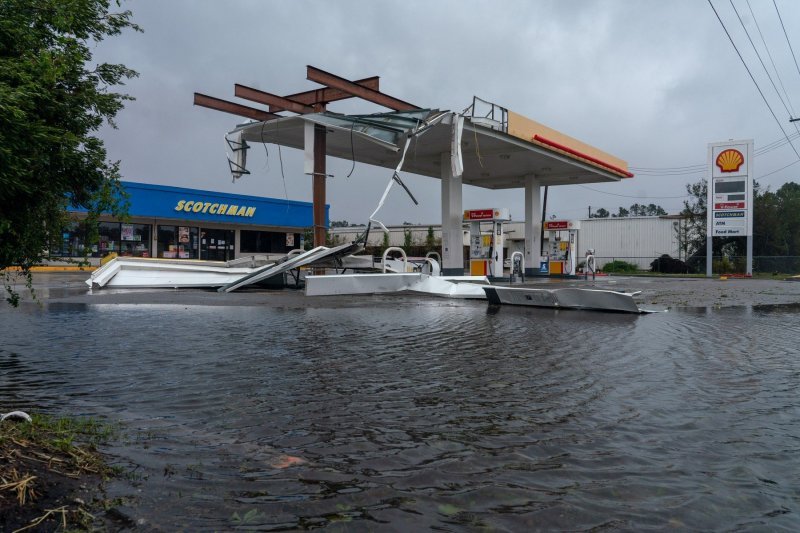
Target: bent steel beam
<point x="263" y="97"/>
<point x="326" y="94"/>
<point x="229" y="107"/>
<point x="332" y="80"/>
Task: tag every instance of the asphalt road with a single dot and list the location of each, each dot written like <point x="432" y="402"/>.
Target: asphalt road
<point x="656" y="293"/>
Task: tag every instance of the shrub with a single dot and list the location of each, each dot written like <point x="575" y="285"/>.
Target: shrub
<point x="620" y="266"/>
<point x="669" y="265"/>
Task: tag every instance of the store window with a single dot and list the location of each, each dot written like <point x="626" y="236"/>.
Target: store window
<point x="261" y="242"/>
<point x="108" y="241"/>
<point x="69" y="243"/>
<point x="123" y="239"/>
<point x="135" y="240"/>
<point x="177" y="242"/>
<point x="217" y="244"/>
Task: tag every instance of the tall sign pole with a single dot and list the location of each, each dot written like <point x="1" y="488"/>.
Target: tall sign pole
<point x="729" y="202"/>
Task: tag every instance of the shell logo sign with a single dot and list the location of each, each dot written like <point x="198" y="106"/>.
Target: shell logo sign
<point x="729" y="160"/>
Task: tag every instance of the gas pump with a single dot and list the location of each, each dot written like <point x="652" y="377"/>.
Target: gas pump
<point x="563" y="246"/>
<point x="486" y="248"/>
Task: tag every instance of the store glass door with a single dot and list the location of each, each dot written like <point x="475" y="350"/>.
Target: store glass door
<point x="217" y="244"/>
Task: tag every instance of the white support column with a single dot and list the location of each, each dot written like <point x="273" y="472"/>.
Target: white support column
<point x="452" y="216"/>
<point x="533" y="225"/>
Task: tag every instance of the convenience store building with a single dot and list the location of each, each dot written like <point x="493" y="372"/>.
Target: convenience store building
<point x="180" y="223"/>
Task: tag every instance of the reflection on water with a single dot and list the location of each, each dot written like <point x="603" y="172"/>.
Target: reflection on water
<point x="407" y="414"/>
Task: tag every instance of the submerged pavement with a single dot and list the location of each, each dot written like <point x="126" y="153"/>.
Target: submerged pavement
<point x="406" y="412"/>
<point x="656" y="293"/>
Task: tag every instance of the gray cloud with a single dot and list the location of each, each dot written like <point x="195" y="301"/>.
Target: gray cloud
<point x="652" y="82"/>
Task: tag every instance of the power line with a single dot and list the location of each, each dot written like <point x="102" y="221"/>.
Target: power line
<point x="775" y="144"/>
<point x="635" y="197"/>
<point x="682" y="196"/>
<point x="753" y="78"/>
<point x="667" y="168"/>
<point x="691" y="169"/>
<point x="786" y="34"/>
<point x="778" y="170"/>
<point x="758" y="55"/>
<point x="770" y="57"/>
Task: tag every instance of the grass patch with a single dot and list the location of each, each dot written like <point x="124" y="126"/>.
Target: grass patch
<point x="47" y="470"/>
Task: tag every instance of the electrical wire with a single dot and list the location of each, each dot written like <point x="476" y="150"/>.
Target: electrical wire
<point x="668" y="168"/>
<point x="283" y="176"/>
<point x="753" y="78"/>
<point x="691" y="169"/>
<point x="778" y="143"/>
<point x="778" y="170"/>
<point x="266" y="151"/>
<point x="775" y="68"/>
<point x="787" y="36"/>
<point x="695" y="170"/>
<point x="758" y="55"/>
<point x="352" y="149"/>
<point x="477" y="146"/>
<point x="629" y="196"/>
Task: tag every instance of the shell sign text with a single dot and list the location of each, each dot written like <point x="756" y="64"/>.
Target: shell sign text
<point x="191" y="206"/>
<point x="729" y="160"/>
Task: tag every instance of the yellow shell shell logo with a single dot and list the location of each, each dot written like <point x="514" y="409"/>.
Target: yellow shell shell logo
<point x="730" y="160"/>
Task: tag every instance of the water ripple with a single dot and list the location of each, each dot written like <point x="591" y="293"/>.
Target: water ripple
<point x="408" y="413"/>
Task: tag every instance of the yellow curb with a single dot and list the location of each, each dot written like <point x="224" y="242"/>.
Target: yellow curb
<point x="54" y="268"/>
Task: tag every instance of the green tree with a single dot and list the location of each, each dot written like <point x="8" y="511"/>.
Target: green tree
<point x="622" y="213"/>
<point x="693" y="228"/>
<point x="789" y="212"/>
<point x="653" y="210"/>
<point x="430" y="239"/>
<point x="637" y="210"/>
<point x="768" y="224"/>
<point x="408" y="239"/>
<point x="52" y="103"/>
<point x="601" y="213"/>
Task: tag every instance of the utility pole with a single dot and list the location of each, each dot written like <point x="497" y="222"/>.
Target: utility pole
<point x="590" y="211"/>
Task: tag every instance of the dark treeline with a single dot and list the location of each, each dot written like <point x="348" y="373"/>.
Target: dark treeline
<point x="776" y="223"/>
<point x="636" y="210"/>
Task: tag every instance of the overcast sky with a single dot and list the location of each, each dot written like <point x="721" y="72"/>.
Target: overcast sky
<point x="650" y="81"/>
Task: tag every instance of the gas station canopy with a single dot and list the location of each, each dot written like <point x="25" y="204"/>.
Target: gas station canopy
<point x="496" y="154"/>
<point x="493" y="148"/>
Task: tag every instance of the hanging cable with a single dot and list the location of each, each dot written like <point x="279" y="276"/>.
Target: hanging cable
<point x="769" y="54"/>
<point x="758" y="55"/>
<point x="753" y="78"/>
<point x="664" y="171"/>
<point x="266" y="151"/>
<point x="787" y="36"/>
<point x="280" y="158"/>
<point x="628" y="196"/>
<point x="352" y="149"/>
<point x="778" y="170"/>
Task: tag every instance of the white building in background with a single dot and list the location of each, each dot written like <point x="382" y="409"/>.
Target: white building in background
<point x="637" y="240"/>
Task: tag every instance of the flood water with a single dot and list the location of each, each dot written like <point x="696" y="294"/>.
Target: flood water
<point x="402" y="413"/>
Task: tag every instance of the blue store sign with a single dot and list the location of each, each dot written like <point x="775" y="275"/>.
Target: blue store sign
<point x="161" y="201"/>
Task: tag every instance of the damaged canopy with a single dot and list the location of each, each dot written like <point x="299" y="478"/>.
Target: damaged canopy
<point x="388" y="130"/>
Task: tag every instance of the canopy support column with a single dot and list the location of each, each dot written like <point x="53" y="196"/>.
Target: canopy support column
<point x="319" y="178"/>
<point x="533" y="225"/>
<point x="452" y="217"/>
